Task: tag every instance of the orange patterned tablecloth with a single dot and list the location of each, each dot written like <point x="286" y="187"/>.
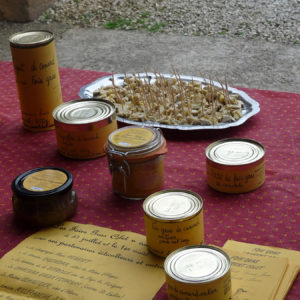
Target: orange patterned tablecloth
<point x="267" y="216"/>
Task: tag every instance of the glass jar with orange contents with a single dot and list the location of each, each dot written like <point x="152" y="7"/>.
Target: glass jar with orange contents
<point x="136" y="161"/>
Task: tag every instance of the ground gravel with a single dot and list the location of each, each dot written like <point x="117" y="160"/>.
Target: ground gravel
<point x="271" y="20"/>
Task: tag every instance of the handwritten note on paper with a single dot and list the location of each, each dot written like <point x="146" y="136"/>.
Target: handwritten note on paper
<point x="77" y="261"/>
<point x="260" y="251"/>
<point x="255" y="278"/>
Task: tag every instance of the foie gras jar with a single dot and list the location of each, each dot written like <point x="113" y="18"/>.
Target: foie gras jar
<point x="173" y="219"/>
<point x="136" y="161"/>
<point x="37" y="77"/>
<point x="44" y="196"/>
<point x="83" y="126"/>
<point x="198" y="272"/>
<point x="235" y="165"/>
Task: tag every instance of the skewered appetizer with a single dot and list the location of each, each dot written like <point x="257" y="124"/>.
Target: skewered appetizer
<point x="172" y="100"/>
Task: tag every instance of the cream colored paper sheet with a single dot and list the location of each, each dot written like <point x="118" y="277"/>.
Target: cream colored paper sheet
<point x="260" y="251"/>
<point x="255" y="278"/>
<point x="76" y="261"/>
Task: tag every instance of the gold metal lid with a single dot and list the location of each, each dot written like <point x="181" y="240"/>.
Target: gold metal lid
<point x="45" y="180"/>
<point x="42" y="182"/>
<point x="235" y="151"/>
<point x="172" y="205"/>
<point x="135" y="140"/>
<point x="83" y="111"/>
<point x="197" y="264"/>
<point x="31" y="38"/>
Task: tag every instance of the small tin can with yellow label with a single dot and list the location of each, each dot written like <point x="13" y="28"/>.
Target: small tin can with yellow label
<point x="37" y="77"/>
<point x="136" y="161"/>
<point x="173" y="219"/>
<point x="198" y="272"/>
<point x="44" y="196"/>
<point x="235" y="165"/>
<point x="83" y="126"/>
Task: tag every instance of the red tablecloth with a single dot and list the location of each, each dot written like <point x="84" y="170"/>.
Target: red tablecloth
<point x="267" y="216"/>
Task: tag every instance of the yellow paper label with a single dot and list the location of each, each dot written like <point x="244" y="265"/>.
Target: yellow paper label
<point x="45" y="180"/>
<point x="255" y="277"/>
<point x="132" y="137"/>
<point x="79" y="261"/>
<point x="165" y="237"/>
<point x="38" y="82"/>
<point x="260" y="251"/>
<point x="84" y="144"/>
<point x="236" y="181"/>
<point x="218" y="289"/>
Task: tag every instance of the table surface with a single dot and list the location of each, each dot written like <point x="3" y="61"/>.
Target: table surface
<point x="269" y="215"/>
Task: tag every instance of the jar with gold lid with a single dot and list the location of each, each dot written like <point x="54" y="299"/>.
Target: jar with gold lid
<point x="44" y="196"/>
<point x="136" y="161"/>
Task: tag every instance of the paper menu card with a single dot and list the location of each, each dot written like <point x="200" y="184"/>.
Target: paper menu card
<point x="77" y="261"/>
<point x="259" y="251"/>
<point x="255" y="278"/>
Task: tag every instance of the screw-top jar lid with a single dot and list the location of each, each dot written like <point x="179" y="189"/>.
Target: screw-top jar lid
<point x="197" y="264"/>
<point x="172" y="205"/>
<point x="235" y="151"/>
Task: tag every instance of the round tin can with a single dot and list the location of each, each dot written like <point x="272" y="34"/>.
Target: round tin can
<point x="44" y="196"/>
<point x="37" y="77"/>
<point x="173" y="219"/>
<point x="198" y="272"/>
<point x="136" y="161"/>
<point x="83" y="126"/>
<point x="235" y="165"/>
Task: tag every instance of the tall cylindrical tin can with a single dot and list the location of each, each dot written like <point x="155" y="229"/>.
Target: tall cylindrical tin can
<point x="198" y="272"/>
<point x="83" y="126"/>
<point x="173" y="219"/>
<point x="37" y="77"/>
<point x="235" y="165"/>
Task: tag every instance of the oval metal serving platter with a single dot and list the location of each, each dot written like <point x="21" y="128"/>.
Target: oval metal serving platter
<point x="251" y="107"/>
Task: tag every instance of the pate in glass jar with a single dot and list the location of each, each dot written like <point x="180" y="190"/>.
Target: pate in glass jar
<point x="136" y="161"/>
<point x="44" y="196"/>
